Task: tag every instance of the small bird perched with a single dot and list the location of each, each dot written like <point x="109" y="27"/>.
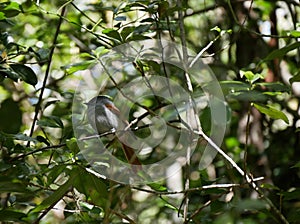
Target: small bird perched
<point x="104" y="116"/>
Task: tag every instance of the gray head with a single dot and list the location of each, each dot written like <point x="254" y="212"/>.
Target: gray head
<point x="102" y="114"/>
<point x="99" y="99"/>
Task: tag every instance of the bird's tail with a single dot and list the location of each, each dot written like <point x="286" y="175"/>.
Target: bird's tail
<point x="132" y="158"/>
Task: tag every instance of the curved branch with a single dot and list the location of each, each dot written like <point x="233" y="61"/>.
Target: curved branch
<point x="38" y="105"/>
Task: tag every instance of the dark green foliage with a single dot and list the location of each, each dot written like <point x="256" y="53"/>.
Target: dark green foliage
<point x="44" y="174"/>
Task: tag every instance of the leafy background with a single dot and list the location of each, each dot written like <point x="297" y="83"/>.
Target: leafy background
<point x="253" y="49"/>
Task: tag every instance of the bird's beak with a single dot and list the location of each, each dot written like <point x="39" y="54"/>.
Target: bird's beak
<point x="112" y="108"/>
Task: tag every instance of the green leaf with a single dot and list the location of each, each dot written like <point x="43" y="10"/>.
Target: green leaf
<point x="9" y="73"/>
<point x="250" y="76"/>
<point x="72" y="145"/>
<point x="294" y="33"/>
<point x="10" y="116"/>
<point x="120" y="18"/>
<point x="271" y="112"/>
<point x="54" y="172"/>
<point x="297" y="165"/>
<point x="126" y="31"/>
<point x="295" y="78"/>
<point x="6" y="140"/>
<point x="99" y="51"/>
<point x="282" y="51"/>
<point x="251" y="205"/>
<point x="42" y="139"/>
<point x="23" y="137"/>
<point x="25" y="73"/>
<point x="11" y="216"/>
<point x="8" y="186"/>
<point x="234" y="86"/>
<point x="274" y="86"/>
<point x="2" y="16"/>
<point x="142" y="28"/>
<point x="251" y="96"/>
<point x="157" y="187"/>
<point x="291" y="195"/>
<point x="11" y="9"/>
<point x="51" y="121"/>
<point x="70" y="69"/>
<point x="168" y="205"/>
<point x="55" y="196"/>
<point x="216" y="28"/>
<point x="218" y="206"/>
<point x="112" y="33"/>
<point x="90" y="185"/>
<point x="270" y="187"/>
<point x="42" y="54"/>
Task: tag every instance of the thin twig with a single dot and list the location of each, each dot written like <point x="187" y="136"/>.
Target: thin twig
<point x="247" y="137"/>
<point x="193" y="121"/>
<point x="98" y="36"/>
<point x="38" y="105"/>
<point x="206" y="187"/>
<point x="198" y="211"/>
<point x="122" y="216"/>
<point x="45" y="212"/>
<point x="249" y="180"/>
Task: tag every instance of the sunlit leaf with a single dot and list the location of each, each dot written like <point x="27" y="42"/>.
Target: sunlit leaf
<point x="271" y="112"/>
<point x="99" y="51"/>
<point x="250" y="76"/>
<point x="70" y="69"/>
<point x="294" y="33"/>
<point x="57" y="195"/>
<point x="297" y="165"/>
<point x="10" y="9"/>
<point x="2" y="16"/>
<point x="168" y="205"/>
<point x="282" y="51"/>
<point x="216" y="28"/>
<point x="72" y="145"/>
<point x="157" y="187"/>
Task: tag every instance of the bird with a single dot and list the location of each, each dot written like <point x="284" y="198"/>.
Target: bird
<point x="104" y="116"/>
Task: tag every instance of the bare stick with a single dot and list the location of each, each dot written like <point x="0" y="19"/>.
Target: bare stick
<point x="38" y="105"/>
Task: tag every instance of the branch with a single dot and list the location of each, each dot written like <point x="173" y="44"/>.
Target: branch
<point x="206" y="187"/>
<point x="190" y="109"/>
<point x="249" y="180"/>
<point x="38" y="105"/>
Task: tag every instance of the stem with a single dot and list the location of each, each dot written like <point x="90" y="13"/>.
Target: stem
<point x="247" y="136"/>
<point x="249" y="180"/>
<point x="188" y="115"/>
<point x="38" y="105"/>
